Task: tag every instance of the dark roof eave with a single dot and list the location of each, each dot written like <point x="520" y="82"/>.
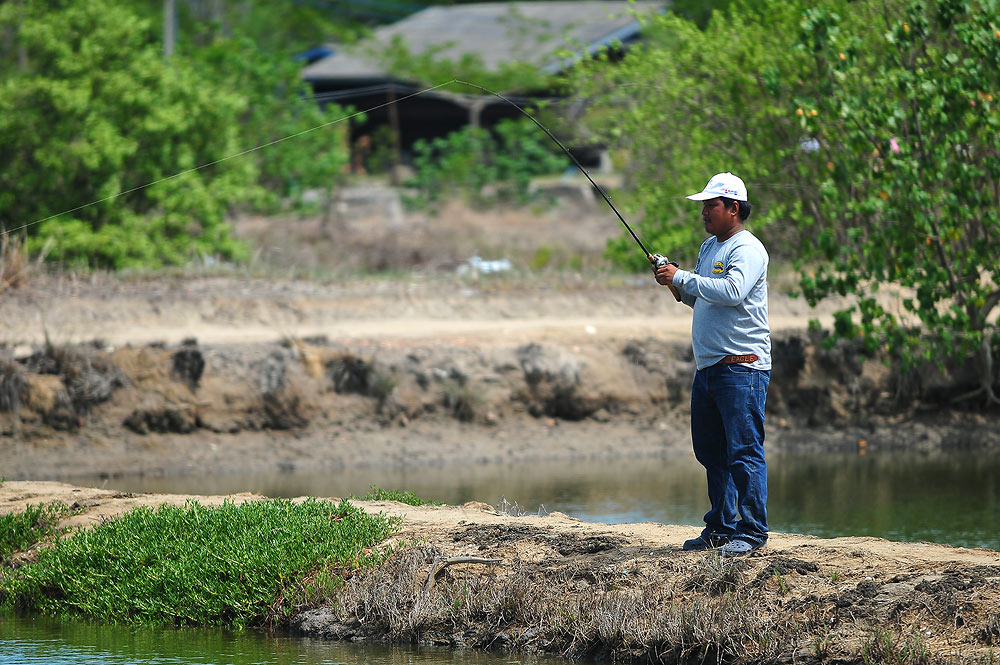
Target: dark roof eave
<point x="622" y="34"/>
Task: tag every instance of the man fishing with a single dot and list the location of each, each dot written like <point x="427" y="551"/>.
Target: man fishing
<point x="732" y="350"/>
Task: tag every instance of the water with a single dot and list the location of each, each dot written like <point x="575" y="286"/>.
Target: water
<point x="943" y="498"/>
<point x="43" y="641"/>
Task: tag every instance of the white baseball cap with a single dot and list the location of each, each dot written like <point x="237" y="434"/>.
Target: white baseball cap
<point x="722" y="184"/>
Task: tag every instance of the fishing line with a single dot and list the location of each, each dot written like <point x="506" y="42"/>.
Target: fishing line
<point x="652" y="257"/>
<point x="222" y="159"/>
<point x="600" y="190"/>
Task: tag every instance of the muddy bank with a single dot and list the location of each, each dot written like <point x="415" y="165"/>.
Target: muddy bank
<point x="475" y="576"/>
<point x="319" y="402"/>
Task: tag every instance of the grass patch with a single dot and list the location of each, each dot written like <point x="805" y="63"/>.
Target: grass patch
<point x="409" y="498"/>
<point x="195" y="565"/>
<point x="19" y="531"/>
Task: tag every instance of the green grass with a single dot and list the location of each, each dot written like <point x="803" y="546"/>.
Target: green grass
<point x="409" y="498"/>
<point x="195" y="565"/>
<point x="19" y="531"/>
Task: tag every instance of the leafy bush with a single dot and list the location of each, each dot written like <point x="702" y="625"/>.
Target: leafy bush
<point x="118" y="158"/>
<point x="194" y="565"/>
<point x="83" y="123"/>
<point x="484" y="166"/>
<point x="870" y="155"/>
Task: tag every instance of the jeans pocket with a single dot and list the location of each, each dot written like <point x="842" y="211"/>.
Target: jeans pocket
<point x="739" y="369"/>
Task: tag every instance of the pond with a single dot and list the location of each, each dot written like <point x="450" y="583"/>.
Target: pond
<point x="44" y="641"/>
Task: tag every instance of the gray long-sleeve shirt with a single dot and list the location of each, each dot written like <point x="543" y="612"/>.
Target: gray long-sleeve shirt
<point x="728" y="291"/>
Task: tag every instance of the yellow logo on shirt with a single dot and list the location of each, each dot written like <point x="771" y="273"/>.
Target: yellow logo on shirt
<point x="718" y="268"/>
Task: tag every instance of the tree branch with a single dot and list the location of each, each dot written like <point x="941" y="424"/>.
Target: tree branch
<point x="435" y="568"/>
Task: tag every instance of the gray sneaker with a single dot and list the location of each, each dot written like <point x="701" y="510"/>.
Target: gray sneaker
<point x="739" y="547"/>
<point x="704" y="543"/>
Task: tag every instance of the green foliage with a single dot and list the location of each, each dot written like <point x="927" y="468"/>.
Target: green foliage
<point x="909" y="130"/>
<point x="279" y="104"/>
<point x="685" y="104"/>
<point x="409" y="498"/>
<point x="281" y="28"/>
<point x="194" y="565"/>
<point x="482" y="166"/>
<point x="541" y="258"/>
<point x="871" y="156"/>
<point x="82" y="122"/>
<point x="19" y="531"/>
<point x="882" y="648"/>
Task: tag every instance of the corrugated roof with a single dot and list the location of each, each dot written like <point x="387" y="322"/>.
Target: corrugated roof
<point x="498" y="32"/>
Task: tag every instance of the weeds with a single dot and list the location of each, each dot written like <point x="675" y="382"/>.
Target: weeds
<point x="19" y="531"/>
<point x="628" y="623"/>
<point x="409" y="498"/>
<point x="716" y="574"/>
<point x="463" y="401"/>
<point x="194" y="565"/>
<point x="13" y="260"/>
<point x="882" y="648"/>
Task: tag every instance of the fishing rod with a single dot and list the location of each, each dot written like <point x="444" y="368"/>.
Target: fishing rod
<point x="656" y="259"/>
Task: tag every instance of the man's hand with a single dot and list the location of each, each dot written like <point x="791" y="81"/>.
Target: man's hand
<point x="665" y="274"/>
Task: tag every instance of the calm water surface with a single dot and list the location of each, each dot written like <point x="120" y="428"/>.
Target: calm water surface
<point x="944" y="498"/>
<point x="43" y="641"/>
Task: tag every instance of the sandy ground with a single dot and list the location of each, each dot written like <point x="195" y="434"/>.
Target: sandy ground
<point x="946" y="598"/>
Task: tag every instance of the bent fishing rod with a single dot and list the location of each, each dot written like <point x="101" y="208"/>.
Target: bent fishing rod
<point x="656" y="259"/>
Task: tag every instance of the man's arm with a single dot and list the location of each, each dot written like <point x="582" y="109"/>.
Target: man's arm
<point x="746" y="265"/>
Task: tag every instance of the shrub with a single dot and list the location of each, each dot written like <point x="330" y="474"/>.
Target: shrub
<point x="194" y="565"/>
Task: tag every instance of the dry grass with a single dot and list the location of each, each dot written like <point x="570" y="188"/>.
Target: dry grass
<point x="526" y="607"/>
<point x="12" y="385"/>
<point x="674" y="609"/>
<point x="13" y="262"/>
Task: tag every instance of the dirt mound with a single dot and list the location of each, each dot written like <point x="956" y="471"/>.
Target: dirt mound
<point x="232" y="406"/>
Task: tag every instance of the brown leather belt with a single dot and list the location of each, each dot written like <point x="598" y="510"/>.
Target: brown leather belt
<point x="748" y="359"/>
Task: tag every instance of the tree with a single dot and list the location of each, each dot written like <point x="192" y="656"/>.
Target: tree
<point x="872" y="156"/>
<point x="97" y="115"/>
<point x="685" y="104"/>
<point x="279" y="104"/>
<point x="97" y="112"/>
<point x="909" y="125"/>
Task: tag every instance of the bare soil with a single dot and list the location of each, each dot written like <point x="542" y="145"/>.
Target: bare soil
<point x="628" y="591"/>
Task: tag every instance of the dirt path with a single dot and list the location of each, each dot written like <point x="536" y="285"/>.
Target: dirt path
<point x="840" y="594"/>
<point x="239" y="311"/>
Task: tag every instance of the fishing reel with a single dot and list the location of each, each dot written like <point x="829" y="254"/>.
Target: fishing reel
<point x="659" y="260"/>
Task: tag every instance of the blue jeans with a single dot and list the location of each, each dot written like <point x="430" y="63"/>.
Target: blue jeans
<point x="727" y="428"/>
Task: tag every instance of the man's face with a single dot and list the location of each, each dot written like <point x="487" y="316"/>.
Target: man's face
<point x="720" y="221"/>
